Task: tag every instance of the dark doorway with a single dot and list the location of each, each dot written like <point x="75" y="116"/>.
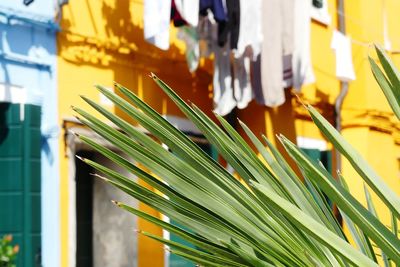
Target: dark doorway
<point x="84" y="212"/>
<point x="104" y="233"/>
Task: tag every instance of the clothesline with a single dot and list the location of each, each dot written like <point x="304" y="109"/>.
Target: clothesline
<point x="360" y="24"/>
<point x="349" y="18"/>
<point x="361" y="43"/>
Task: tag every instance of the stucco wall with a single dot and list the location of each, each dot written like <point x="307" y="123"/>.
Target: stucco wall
<point x="114" y="237"/>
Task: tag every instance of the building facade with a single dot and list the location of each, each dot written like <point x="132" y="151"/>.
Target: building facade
<point x="49" y="56"/>
<point x="102" y="41"/>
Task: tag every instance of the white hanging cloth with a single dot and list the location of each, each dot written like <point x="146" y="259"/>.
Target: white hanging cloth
<point x="250" y="32"/>
<point x="157" y="15"/>
<point x="277" y="30"/>
<point x="302" y="71"/>
<point x="341" y="44"/>
<point x="189" y="10"/>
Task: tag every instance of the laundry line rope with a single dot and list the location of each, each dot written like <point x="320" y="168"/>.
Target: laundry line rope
<point x="358" y="22"/>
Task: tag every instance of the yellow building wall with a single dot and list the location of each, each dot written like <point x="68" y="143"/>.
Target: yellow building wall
<point x="369" y="124"/>
<point x="102" y="42"/>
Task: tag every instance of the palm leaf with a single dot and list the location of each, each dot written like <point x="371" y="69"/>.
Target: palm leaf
<point x="272" y="219"/>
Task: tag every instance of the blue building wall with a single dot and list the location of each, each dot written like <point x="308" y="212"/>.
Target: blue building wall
<point x="28" y="61"/>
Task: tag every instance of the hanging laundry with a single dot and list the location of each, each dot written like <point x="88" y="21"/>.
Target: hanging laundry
<point x="243" y="91"/>
<point x="157" y="22"/>
<point x="229" y="29"/>
<point x="223" y="99"/>
<point x="189" y="35"/>
<point x="224" y="102"/>
<point x="277" y="29"/>
<point x="205" y="31"/>
<point x="228" y="95"/>
<point x="287" y="24"/>
<point x="232" y="83"/>
<point x="341" y="44"/>
<point x="216" y="7"/>
<point x="250" y="30"/>
<point x="189" y="10"/>
<point x="198" y="40"/>
<point x="287" y="71"/>
<point x="176" y="16"/>
<point x="302" y="71"/>
<point x="248" y="48"/>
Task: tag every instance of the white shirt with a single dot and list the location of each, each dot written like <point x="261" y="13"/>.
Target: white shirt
<point x="157" y="15"/>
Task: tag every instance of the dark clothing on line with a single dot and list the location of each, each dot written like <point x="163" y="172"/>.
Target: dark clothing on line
<point x="215" y="6"/>
<point x="230" y="28"/>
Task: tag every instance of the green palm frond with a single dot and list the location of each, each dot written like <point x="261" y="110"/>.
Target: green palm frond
<point x="271" y="217"/>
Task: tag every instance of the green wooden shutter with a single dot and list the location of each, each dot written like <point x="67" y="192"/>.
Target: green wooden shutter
<point x="177" y="261"/>
<point x="317" y="155"/>
<point x="20" y="181"/>
<point x="323" y="156"/>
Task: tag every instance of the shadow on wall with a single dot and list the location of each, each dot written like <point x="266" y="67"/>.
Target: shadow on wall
<point x="118" y="21"/>
<point x="124" y="51"/>
<point x="26" y="40"/>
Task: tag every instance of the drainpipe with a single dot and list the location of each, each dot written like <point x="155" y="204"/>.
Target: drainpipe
<point x="344" y="86"/>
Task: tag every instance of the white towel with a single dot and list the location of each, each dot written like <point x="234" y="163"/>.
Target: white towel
<point x="341" y="44"/>
<point x="189" y="10"/>
<point x="157" y="15"/>
<point x="301" y="61"/>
